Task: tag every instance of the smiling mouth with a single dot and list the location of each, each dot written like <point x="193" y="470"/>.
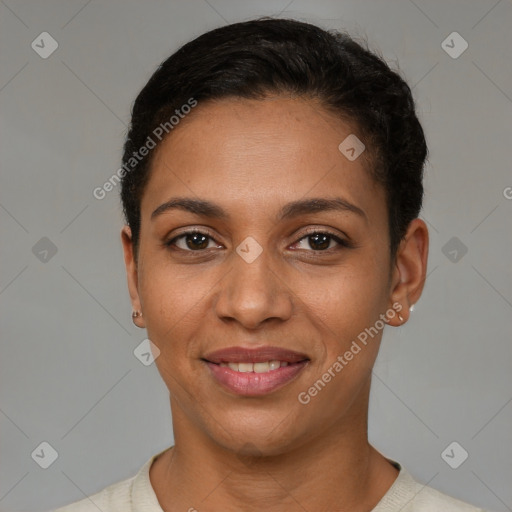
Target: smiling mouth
<point x="255" y="372"/>
<point x="263" y="367"/>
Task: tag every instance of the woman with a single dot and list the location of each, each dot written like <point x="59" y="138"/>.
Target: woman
<point x="272" y="182"/>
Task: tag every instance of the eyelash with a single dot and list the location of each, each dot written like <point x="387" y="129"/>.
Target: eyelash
<point x="343" y="243"/>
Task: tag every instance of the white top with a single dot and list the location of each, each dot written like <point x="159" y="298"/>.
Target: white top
<point x="136" y="494"/>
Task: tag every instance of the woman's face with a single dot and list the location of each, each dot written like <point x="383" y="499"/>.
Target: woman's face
<point x="269" y="274"/>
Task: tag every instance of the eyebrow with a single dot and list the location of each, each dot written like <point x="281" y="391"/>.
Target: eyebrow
<point x="288" y="211"/>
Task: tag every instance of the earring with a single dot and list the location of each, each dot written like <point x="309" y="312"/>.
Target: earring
<point x="411" y="309"/>
<point x="400" y="317"/>
<point x="136" y="314"/>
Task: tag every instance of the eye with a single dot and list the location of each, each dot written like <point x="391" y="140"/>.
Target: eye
<point x="192" y="241"/>
<point x="197" y="241"/>
<point x="321" y="241"/>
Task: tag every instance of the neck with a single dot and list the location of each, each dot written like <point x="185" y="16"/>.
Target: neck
<point x="337" y="470"/>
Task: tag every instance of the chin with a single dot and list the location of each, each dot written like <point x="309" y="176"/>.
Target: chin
<point x="276" y="436"/>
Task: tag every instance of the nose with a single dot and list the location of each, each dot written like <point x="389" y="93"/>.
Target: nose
<point x="253" y="294"/>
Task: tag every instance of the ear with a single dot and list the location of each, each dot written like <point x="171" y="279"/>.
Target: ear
<point x="410" y="270"/>
<point x="132" y="274"/>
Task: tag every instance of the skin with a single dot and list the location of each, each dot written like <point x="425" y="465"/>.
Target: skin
<point x="231" y="452"/>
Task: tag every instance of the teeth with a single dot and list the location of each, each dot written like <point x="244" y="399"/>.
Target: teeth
<point x="261" y="367"/>
<point x="274" y="365"/>
<point x="255" y="367"/>
<point x="245" y="367"/>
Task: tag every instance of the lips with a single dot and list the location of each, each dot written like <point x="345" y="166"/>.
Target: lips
<point x="254" y="355"/>
<point x="254" y="372"/>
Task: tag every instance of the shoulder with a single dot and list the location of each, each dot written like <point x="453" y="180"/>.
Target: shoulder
<point x="408" y="495"/>
<point x="130" y="495"/>
<point x="429" y="499"/>
<point x="113" y="497"/>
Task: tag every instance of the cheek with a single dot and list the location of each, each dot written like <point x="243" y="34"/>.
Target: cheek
<point x="346" y="300"/>
<point x="169" y="290"/>
<point x="346" y="353"/>
<point x="345" y="307"/>
<point x="172" y="301"/>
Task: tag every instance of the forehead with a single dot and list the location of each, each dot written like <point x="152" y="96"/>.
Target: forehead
<point x="260" y="154"/>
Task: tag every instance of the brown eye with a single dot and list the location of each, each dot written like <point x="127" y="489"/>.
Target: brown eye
<point x="321" y="241"/>
<point x="191" y="241"/>
<point x="196" y="241"/>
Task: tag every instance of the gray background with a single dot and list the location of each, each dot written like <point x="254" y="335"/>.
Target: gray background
<point x="68" y="373"/>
